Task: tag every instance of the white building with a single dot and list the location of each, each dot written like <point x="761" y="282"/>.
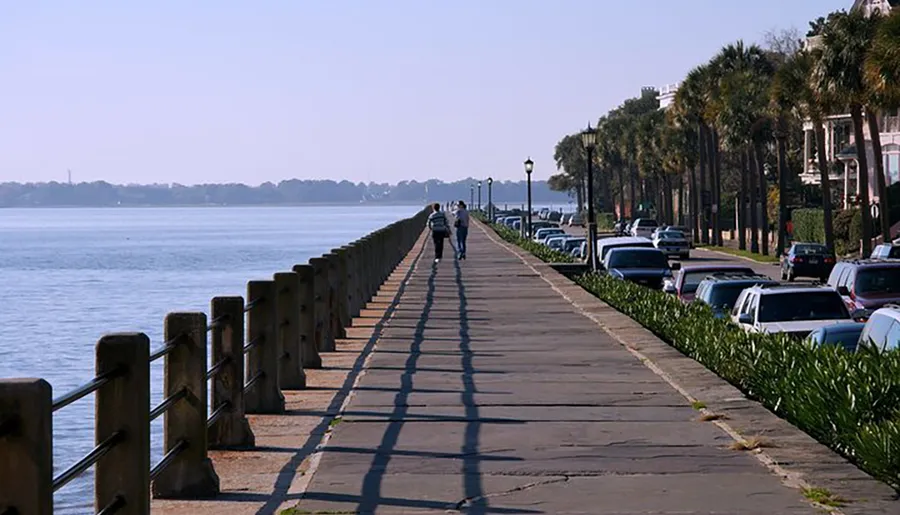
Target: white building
<point x="667" y="95"/>
<point x="840" y="143"/>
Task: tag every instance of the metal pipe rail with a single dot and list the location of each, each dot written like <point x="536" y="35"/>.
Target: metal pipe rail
<point x="290" y="320"/>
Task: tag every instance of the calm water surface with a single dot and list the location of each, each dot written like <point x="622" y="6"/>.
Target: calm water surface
<point x="70" y="275"/>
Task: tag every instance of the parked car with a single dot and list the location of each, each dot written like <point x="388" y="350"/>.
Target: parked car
<point x="883" y="329"/>
<point x="867" y="284"/>
<point x="643" y="227"/>
<point x="807" y="260"/>
<point x="556" y="242"/>
<point x="604" y="245"/>
<point x="720" y="291"/>
<point x="795" y="310"/>
<point x="544" y="213"/>
<point x="564" y="219"/>
<point x="886" y="251"/>
<point x="845" y="335"/>
<point x="684" y="284"/>
<point x="645" y="266"/>
<point x="576" y="221"/>
<point x="573" y="245"/>
<point x="538" y="224"/>
<point x="510" y="221"/>
<point x="554" y="216"/>
<point x="542" y="234"/>
<point x="672" y="243"/>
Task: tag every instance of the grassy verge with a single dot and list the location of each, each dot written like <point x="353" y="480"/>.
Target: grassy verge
<point x="849" y="402"/>
<point x="759" y="258"/>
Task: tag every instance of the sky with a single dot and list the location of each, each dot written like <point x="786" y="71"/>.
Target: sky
<point x="364" y="90"/>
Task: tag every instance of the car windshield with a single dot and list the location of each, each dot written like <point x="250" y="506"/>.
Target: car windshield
<point x="802" y="305"/>
<point x="807" y="250"/>
<point x="723" y="296"/>
<point x="637" y="259"/>
<point x="647" y="223"/>
<point x="671" y="235"/>
<point x="878" y="280"/>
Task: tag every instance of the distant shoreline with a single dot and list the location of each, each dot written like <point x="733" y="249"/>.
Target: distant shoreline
<point x="498" y="204"/>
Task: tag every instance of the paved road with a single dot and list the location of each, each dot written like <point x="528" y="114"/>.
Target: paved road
<point x="489" y="393"/>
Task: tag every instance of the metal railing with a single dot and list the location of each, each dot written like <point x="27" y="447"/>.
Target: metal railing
<point x="289" y="320"/>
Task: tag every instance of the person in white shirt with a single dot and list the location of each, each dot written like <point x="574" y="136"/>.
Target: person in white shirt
<point x="462" y="229"/>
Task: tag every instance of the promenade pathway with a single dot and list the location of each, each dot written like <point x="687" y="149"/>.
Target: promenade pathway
<point x="488" y="392"/>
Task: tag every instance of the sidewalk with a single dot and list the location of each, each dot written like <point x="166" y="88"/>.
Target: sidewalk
<point x="488" y="392"/>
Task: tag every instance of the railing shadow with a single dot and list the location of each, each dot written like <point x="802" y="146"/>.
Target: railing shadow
<point x="288" y="472"/>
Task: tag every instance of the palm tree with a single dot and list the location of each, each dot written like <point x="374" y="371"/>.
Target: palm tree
<point x="688" y="107"/>
<point x="572" y="161"/>
<point x="744" y="77"/>
<point x="838" y="80"/>
<point x="882" y="73"/>
<point x="793" y="99"/>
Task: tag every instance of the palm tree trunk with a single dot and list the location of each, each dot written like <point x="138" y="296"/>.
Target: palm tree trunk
<point x="692" y="193"/>
<point x="754" y="217"/>
<point x="631" y="199"/>
<point x="741" y="213"/>
<point x="621" y="172"/>
<point x="782" y="188"/>
<point x="579" y="196"/>
<point x="711" y="164"/>
<point x="826" y="186"/>
<point x="763" y="201"/>
<point x="883" y="193"/>
<point x="717" y="188"/>
<point x="863" y="171"/>
<point x="701" y="186"/>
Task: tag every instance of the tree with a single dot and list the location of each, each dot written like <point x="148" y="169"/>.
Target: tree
<point x="882" y="73"/>
<point x="838" y="80"/>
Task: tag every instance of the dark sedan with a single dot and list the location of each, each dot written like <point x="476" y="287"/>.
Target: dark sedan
<point x="807" y="260"/>
<point x="845" y="335"/>
<point x="645" y="266"/>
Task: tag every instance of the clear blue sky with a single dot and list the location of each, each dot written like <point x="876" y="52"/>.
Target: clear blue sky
<point x="367" y="90"/>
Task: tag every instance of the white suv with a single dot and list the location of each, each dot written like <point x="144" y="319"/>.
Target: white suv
<point x="795" y="310"/>
<point x="883" y="328"/>
<point x="644" y="227"/>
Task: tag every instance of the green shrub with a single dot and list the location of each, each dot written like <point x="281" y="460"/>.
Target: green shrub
<point x="809" y="225"/>
<point x="850" y="402"/>
<point x="847" y="231"/>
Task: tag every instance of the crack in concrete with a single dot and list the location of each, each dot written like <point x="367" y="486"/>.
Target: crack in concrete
<point x="464" y="504"/>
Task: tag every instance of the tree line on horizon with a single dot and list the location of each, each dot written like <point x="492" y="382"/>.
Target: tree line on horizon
<point x="288" y="192"/>
<point x="735" y="131"/>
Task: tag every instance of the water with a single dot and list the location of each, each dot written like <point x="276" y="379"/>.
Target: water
<point x="71" y="275"/>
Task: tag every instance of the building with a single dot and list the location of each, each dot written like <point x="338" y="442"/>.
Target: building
<point x="667" y="95"/>
<point x="840" y="143"/>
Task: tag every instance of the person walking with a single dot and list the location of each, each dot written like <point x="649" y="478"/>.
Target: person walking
<point x="462" y="228"/>
<point x="440" y="230"/>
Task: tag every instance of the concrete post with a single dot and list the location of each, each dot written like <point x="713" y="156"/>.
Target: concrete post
<point x="306" y="314"/>
<point x="322" y="309"/>
<point x="341" y="290"/>
<point x="287" y="314"/>
<point x="123" y="405"/>
<point x="350" y="287"/>
<point x="232" y="430"/>
<point x="190" y="474"/>
<point x="362" y="280"/>
<point x="334" y="279"/>
<point x="262" y="393"/>
<point x="26" y="445"/>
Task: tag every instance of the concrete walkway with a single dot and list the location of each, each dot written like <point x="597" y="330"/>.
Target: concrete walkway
<point x="488" y="392"/>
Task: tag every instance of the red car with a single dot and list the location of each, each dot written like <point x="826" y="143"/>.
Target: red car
<point x="684" y="284"/>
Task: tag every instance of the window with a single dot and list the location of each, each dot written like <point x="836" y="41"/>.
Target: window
<point x="892" y="340"/>
<point x="637" y="259"/>
<point x="834" y="278"/>
<point x="801" y="306"/>
<point x="877" y="329"/>
<point x="892" y="168"/>
<point x="878" y="280"/>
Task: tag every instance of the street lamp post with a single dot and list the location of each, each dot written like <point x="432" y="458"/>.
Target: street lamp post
<point x="529" y="166"/>
<point x="479" y="195"/>
<point x="490" y="205"/>
<point x="589" y="139"/>
<point x="471" y="196"/>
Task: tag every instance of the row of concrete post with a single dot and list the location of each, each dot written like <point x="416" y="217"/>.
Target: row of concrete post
<point x="290" y="320"/>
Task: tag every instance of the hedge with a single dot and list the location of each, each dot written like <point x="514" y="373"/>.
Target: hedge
<point x="809" y="225"/>
<point x="848" y="401"/>
<point x="543" y="252"/>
